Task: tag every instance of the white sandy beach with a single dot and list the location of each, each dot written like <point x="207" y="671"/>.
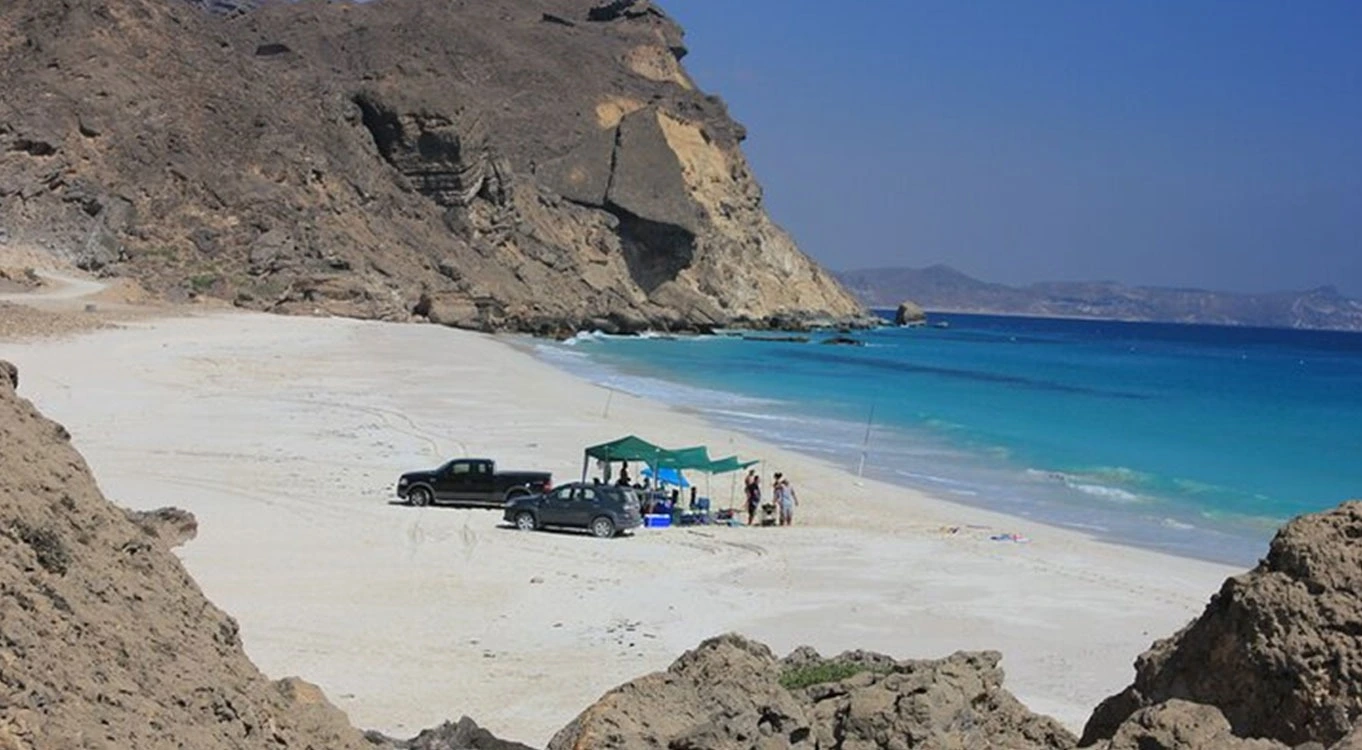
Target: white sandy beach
<point x="284" y="437"/>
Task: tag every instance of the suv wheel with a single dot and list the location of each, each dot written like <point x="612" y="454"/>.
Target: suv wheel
<point x="603" y="527"/>
<point x="419" y="496"/>
<point x="524" y="521"/>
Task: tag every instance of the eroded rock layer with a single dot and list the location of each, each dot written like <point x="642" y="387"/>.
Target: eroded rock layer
<point x="532" y="164"/>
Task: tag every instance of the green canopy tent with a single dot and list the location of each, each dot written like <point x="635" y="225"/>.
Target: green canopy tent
<point x="726" y="465"/>
<point x="628" y="448"/>
<point x="695" y="457"/>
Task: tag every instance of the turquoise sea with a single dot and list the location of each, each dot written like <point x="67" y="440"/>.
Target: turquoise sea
<point x="1197" y="440"/>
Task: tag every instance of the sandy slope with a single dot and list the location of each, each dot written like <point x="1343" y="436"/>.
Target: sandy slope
<point x="284" y="435"/>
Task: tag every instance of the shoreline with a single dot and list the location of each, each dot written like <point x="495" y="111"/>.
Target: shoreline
<point x="1234" y="544"/>
<point x="408" y="616"/>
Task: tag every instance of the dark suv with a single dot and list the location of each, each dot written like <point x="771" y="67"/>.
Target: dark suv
<point x="606" y="510"/>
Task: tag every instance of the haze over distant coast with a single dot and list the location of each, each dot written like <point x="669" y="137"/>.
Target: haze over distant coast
<point x="945" y="289"/>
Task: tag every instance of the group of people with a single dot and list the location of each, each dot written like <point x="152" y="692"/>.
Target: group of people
<point x="782" y="495"/>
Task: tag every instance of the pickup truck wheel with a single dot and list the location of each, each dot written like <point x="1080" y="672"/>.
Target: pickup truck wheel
<point x="525" y="521"/>
<point x="419" y="496"/>
<point x="603" y="528"/>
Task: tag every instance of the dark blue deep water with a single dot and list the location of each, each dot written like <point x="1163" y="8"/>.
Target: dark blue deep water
<point x="1199" y="440"/>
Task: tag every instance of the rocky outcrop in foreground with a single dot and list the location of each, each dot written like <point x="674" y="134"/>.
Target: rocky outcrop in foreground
<point x="1278" y="650"/>
<point x="105" y="640"/>
<point x="732" y="693"/>
<point x="539" y="165"/>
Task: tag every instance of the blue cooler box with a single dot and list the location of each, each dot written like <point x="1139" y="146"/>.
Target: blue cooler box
<point x="656" y="520"/>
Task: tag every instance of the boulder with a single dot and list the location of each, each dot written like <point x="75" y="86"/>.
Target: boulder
<point x="1180" y="725"/>
<point x="732" y="693"/>
<point x="1278" y="650"/>
<point x="953" y="702"/>
<point x="909" y="314"/>
<point x="464" y="734"/>
<point x="647" y="182"/>
<point x="723" y="694"/>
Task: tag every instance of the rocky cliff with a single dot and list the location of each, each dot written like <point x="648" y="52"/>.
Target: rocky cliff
<point x="945" y="289"/>
<point x="529" y="164"/>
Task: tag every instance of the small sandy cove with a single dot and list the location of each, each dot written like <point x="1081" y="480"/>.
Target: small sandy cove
<point x="285" y="436"/>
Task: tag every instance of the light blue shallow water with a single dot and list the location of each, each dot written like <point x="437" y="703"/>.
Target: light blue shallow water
<point x="1197" y="440"/>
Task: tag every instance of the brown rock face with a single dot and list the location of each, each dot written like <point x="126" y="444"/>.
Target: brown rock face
<point x="1278" y="650"/>
<point x="527" y="164"/>
<point x="727" y="694"/>
<point x="1179" y="725"/>
<point x="105" y="641"/>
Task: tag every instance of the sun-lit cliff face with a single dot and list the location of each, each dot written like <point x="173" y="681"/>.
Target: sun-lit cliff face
<point x="539" y="165"/>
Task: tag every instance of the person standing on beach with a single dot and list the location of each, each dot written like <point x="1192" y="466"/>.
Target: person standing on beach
<point x="752" y="490"/>
<point x="786" y="501"/>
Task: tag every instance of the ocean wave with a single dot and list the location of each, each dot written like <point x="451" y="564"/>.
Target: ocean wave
<point x="1083" y="483"/>
<point x="1122" y="474"/>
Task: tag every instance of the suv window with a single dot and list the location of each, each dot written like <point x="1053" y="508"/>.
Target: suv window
<point x="588" y="494"/>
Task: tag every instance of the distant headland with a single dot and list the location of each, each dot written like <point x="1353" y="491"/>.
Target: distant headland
<point x="942" y="288"/>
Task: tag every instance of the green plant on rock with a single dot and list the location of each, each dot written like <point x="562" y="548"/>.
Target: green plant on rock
<point x="796" y="678"/>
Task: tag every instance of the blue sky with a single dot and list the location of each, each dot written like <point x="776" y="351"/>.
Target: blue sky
<point x="1180" y="143"/>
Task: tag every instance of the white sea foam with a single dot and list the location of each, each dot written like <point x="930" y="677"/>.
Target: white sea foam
<point x="1083" y="483"/>
<point x="1105" y="492"/>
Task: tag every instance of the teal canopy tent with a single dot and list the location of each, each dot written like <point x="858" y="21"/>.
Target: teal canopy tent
<point x="727" y="464"/>
<point x="695" y="457"/>
<point x="628" y="448"/>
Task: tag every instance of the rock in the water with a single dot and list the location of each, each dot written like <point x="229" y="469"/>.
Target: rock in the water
<point x="728" y="694"/>
<point x="909" y="314"/>
<point x="1278" y="650"/>
<point x="1179" y="725"/>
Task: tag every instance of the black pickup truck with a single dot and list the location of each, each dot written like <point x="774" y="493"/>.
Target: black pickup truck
<point x="470" y="481"/>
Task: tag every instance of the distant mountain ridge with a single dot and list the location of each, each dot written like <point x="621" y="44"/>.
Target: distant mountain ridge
<point x="945" y="289"/>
